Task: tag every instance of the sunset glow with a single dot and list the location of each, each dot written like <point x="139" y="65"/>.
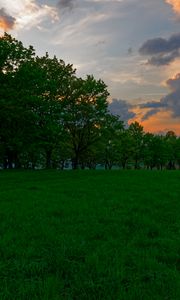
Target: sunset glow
<point x="159" y="123"/>
<point x="175" y="4"/>
<point x="4" y="25"/>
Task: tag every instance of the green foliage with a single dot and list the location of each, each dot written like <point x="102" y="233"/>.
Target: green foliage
<point x="13" y="54"/>
<point x="89" y="235"/>
<point x="14" y="116"/>
<point x="110" y="135"/>
<point x="137" y="134"/>
<point x="125" y="148"/>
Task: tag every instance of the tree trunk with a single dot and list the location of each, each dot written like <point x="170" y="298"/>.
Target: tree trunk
<point x="124" y="164"/>
<point x="136" y="164"/>
<point x="5" y="163"/>
<point x="48" y="159"/>
<point x="75" y="161"/>
<point x="10" y="159"/>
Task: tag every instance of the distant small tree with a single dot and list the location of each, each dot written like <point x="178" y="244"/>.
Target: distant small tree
<point x="110" y="135"/>
<point x="125" y="148"/>
<point x="177" y="151"/>
<point x="137" y="133"/>
<point x="170" y="141"/>
<point x="154" y="152"/>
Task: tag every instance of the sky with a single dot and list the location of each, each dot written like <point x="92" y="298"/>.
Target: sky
<point x="132" y="45"/>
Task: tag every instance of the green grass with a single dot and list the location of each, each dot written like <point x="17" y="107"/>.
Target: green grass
<point x="91" y="235"/>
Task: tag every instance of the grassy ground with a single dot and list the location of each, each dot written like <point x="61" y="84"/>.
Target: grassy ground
<point x="91" y="235"/>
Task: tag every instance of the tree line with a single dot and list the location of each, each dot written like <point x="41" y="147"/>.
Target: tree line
<point x="49" y="116"/>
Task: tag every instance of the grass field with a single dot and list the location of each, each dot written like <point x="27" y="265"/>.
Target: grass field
<point x="92" y="235"/>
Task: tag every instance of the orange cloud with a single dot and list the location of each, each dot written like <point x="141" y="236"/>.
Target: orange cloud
<point x="6" y="21"/>
<point x="3" y="24"/>
<point x="25" y="14"/>
<point x="175" y="5"/>
<point x="160" y="122"/>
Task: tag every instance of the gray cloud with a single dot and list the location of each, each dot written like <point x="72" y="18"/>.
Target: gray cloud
<point x="170" y="102"/>
<point x="130" y="50"/>
<point x="163" y="59"/>
<point x="6" y="21"/>
<point x="153" y="104"/>
<point x="150" y="113"/>
<point x="66" y="4"/>
<point x="162" y="51"/>
<point x="121" y="108"/>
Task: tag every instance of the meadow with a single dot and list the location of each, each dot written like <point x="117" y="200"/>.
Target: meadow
<point x="90" y="235"/>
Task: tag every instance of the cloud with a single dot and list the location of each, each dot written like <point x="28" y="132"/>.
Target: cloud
<point x="162" y="51"/>
<point x="121" y="108"/>
<point x="88" y="5"/>
<point x="170" y="102"/>
<point x="6" y="21"/>
<point x="66" y="4"/>
<point x="152" y="104"/>
<point x="130" y="50"/>
<point x="163" y="59"/>
<point x="175" y="5"/>
<point x="150" y="113"/>
<point x="27" y="13"/>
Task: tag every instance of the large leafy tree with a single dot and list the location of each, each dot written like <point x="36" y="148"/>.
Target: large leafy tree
<point x="85" y="109"/>
<point x="46" y="84"/>
<point x="13" y="117"/>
